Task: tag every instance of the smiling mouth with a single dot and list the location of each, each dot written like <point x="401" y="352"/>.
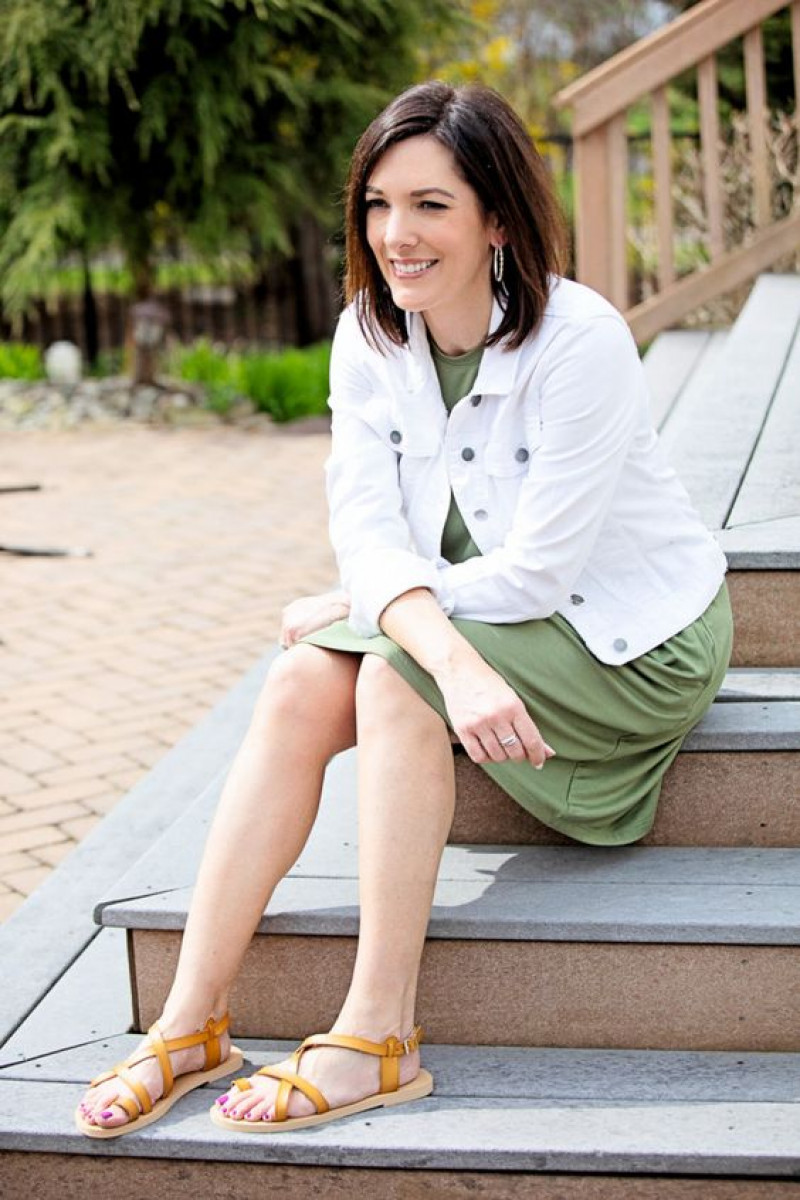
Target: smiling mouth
<point x="407" y="270"/>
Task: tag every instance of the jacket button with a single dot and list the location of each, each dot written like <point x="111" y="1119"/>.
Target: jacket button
<point x="475" y="401"/>
<point x="522" y="455"/>
<point x="576" y="599"/>
<point x="620" y="644"/>
<point x="480" y="514"/>
<point x="467" y="454"/>
<point x="395" y="436"/>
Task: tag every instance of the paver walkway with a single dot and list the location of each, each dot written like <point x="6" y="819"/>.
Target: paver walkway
<point x="199" y="537"/>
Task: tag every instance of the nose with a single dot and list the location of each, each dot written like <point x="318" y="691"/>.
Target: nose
<point x="399" y="229"/>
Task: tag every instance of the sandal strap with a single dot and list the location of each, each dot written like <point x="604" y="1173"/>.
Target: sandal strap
<point x="139" y="1090"/>
<point x="389" y="1051"/>
<point x="391" y="1048"/>
<point x="209" y="1036"/>
<point x="129" y="1104"/>
<point x="160" y="1048"/>
<point x="289" y="1080"/>
<point x="155" y="1039"/>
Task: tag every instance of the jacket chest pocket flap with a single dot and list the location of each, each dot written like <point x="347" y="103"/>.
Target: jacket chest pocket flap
<point x="405" y="436"/>
<point x="508" y="456"/>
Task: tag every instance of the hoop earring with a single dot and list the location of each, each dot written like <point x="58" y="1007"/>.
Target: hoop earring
<point x="498" y="264"/>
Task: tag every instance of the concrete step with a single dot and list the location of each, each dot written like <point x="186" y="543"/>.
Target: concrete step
<point x="736" y="782"/>
<point x="639" y="947"/>
<point x="552" y="1124"/>
<point x="628" y="1125"/>
<point x="765" y="603"/>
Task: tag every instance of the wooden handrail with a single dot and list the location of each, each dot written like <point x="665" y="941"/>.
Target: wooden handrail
<point x="656" y="59"/>
<point x="600" y="101"/>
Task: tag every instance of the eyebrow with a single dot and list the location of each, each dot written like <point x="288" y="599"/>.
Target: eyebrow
<point x="417" y="192"/>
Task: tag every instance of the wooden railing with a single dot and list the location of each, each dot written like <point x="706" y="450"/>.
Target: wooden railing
<point x="600" y="100"/>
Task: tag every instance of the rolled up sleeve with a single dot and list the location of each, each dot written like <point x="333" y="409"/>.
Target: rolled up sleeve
<point x="368" y="528"/>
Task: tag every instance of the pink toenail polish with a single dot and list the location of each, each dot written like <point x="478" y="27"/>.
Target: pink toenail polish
<point x="221" y="1099"/>
<point x="108" y="1113"/>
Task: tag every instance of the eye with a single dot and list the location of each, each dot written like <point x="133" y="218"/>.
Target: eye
<point x="375" y="202"/>
<point x="432" y="204"/>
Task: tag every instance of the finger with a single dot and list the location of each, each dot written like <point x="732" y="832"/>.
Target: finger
<point x="532" y="741"/>
<point x="473" y="747"/>
<point x="491" y="745"/>
<point x="513" y="749"/>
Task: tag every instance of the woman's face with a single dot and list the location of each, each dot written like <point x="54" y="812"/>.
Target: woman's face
<point x="431" y="240"/>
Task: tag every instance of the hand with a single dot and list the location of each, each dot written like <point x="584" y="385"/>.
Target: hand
<point x="311" y="613"/>
<point x="485" y="712"/>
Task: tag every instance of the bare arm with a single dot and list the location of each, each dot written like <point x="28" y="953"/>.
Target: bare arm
<point x="481" y="705"/>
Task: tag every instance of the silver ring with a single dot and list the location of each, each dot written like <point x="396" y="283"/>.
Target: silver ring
<point x="509" y="741"/>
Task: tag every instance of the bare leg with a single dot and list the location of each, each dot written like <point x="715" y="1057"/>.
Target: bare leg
<point x="406" y="802"/>
<point x="264" y="818"/>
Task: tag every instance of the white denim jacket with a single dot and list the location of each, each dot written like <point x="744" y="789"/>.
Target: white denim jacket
<point x="554" y="465"/>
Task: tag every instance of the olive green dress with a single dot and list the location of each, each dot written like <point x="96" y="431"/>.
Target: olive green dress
<point x="615" y="729"/>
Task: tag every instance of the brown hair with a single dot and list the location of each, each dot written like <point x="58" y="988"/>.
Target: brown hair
<point x="496" y="156"/>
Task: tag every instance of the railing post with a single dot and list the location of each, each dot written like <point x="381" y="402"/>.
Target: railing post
<point x="601" y="175"/>
<point x="709" y="144"/>
<point x="662" y="174"/>
<point x="756" y="87"/>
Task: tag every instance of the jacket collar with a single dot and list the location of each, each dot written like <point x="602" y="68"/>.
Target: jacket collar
<point x="498" y="365"/>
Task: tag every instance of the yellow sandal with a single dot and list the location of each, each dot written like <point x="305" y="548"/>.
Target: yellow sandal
<point x="390" y="1092"/>
<point x="145" y="1112"/>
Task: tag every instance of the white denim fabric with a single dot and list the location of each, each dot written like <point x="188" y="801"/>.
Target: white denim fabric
<point x="554" y="465"/>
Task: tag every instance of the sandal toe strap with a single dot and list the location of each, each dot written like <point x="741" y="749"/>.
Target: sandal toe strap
<point x="139" y="1090"/>
<point x="130" y="1106"/>
<point x="288" y="1080"/>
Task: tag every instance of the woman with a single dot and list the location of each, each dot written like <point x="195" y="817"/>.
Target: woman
<point x="521" y="571"/>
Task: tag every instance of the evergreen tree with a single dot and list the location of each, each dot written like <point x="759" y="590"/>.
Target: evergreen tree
<point x="140" y="123"/>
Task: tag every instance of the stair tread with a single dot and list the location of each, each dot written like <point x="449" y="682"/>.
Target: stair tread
<point x="735" y="422"/>
<point x="540" y="1110"/>
<point x="173" y="860"/>
<point x="760" y="683"/>
<point x="678" y="361"/>
<point x="544" y="1074"/>
<point x="541" y="893"/>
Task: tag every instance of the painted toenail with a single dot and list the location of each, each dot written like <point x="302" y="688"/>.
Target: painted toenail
<point x="222" y="1099"/>
<point x="108" y="1113"/>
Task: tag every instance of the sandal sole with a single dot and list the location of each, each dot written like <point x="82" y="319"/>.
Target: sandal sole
<point x="417" y="1089"/>
<point x="183" y="1085"/>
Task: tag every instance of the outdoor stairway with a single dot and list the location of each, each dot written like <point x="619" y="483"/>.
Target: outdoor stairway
<point x="620" y="1023"/>
<point x="728" y="408"/>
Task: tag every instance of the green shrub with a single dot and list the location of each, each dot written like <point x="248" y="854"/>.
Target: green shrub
<point x="287" y="384"/>
<point x="20" y="361"/>
<point x="202" y="363"/>
<point x="109" y="362"/>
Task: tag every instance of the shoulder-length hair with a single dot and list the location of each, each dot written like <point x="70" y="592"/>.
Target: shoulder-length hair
<point x="496" y="156"/>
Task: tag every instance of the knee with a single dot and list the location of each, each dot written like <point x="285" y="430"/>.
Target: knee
<point x="385" y="700"/>
<point x="297" y="681"/>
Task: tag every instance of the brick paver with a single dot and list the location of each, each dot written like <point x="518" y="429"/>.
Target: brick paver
<point x="198" y="539"/>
